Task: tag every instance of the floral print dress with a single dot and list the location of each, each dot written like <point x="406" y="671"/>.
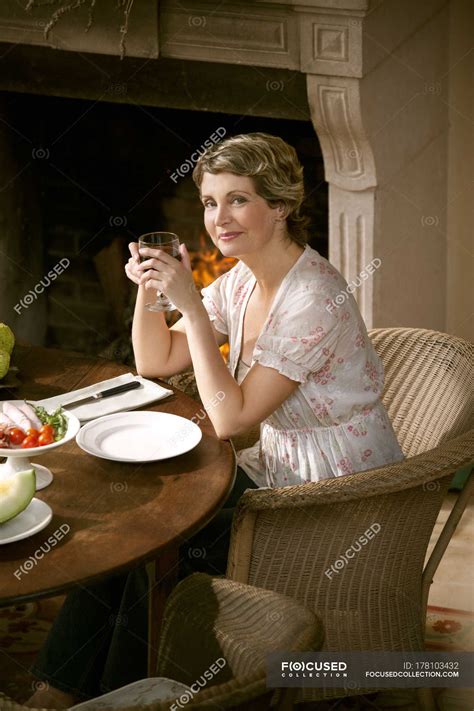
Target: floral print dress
<point x="334" y="423"/>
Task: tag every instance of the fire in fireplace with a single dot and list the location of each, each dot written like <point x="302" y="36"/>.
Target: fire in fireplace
<point x="208" y="263"/>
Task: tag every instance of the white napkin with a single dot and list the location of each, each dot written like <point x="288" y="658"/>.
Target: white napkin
<point x="148" y="393"/>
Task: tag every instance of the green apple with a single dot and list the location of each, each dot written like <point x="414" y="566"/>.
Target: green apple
<point x="7" y="339"/>
<point x="4" y="363"/>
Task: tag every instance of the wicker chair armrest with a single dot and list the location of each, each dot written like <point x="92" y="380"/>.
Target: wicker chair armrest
<point x="405" y="474"/>
<point x="210" y="618"/>
<point x="235" y="694"/>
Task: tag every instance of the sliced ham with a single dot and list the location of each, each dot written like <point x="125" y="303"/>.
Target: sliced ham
<point x="30" y="413"/>
<point x="5" y="421"/>
<point x="19" y="418"/>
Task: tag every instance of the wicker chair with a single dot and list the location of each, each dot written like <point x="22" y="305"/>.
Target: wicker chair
<point x="207" y="619"/>
<point x="292" y="540"/>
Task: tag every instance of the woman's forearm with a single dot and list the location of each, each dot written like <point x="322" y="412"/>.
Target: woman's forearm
<point x="151" y="337"/>
<point x="219" y="392"/>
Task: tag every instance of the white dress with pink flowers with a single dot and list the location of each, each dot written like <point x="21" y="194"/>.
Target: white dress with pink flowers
<point x="334" y="423"/>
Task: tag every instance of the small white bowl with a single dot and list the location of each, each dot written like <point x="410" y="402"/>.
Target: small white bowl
<point x="18" y="459"/>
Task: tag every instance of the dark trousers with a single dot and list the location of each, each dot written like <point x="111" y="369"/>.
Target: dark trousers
<point x="98" y="641"/>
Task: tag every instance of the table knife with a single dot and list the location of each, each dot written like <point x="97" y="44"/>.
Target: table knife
<point x="104" y="393"/>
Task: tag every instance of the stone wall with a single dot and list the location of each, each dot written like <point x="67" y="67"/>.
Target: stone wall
<point x="408" y="130"/>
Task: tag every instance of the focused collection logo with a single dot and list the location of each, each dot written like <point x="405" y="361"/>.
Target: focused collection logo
<point x="311" y="668"/>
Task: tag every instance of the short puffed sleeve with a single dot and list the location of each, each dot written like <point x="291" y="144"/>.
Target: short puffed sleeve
<point x="215" y="302"/>
<point x="300" y="337"/>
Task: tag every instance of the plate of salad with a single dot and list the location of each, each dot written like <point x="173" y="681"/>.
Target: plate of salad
<point x="26" y="429"/>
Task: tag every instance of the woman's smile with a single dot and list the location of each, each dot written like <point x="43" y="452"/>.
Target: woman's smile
<point x="227" y="236"/>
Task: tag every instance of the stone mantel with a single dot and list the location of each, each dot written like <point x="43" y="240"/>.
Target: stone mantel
<point x="317" y="36"/>
<point x="375" y="102"/>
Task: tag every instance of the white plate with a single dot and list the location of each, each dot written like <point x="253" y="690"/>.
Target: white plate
<point x="34" y="518"/>
<point x="142" y="436"/>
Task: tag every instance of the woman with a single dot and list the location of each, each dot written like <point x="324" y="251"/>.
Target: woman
<point x="300" y="366"/>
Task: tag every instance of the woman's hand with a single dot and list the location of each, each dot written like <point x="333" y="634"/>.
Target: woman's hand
<point x="132" y="264"/>
<point x="169" y="276"/>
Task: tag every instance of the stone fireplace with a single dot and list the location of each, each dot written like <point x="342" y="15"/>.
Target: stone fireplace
<point x="368" y="77"/>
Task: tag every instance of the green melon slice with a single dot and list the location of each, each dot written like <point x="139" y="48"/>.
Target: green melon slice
<point x="16" y="493"/>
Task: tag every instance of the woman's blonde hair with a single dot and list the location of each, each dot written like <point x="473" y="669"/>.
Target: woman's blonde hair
<point x="274" y="168"/>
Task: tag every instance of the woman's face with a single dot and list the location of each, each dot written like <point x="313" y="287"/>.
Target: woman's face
<point x="238" y="220"/>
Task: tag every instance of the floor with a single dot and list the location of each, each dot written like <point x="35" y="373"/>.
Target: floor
<point x="453" y="582"/>
<point x="450" y="626"/>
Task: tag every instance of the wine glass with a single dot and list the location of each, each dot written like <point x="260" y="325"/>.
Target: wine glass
<point x="168" y="242"/>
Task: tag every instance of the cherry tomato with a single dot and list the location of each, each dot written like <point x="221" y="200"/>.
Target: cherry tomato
<point x="15" y="435"/>
<point x="45" y="438"/>
<point x="47" y="429"/>
<point x="29" y="442"/>
<point x="32" y="432"/>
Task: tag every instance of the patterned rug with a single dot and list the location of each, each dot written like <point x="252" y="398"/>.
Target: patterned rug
<point x="449" y="630"/>
<point x="23" y="630"/>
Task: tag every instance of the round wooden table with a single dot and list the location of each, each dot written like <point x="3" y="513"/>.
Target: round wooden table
<point x="117" y="515"/>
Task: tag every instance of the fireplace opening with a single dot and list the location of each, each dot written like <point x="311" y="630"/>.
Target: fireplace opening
<point x="98" y="175"/>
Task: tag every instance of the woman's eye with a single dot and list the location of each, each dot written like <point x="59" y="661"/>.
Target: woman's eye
<point x="238" y="199"/>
